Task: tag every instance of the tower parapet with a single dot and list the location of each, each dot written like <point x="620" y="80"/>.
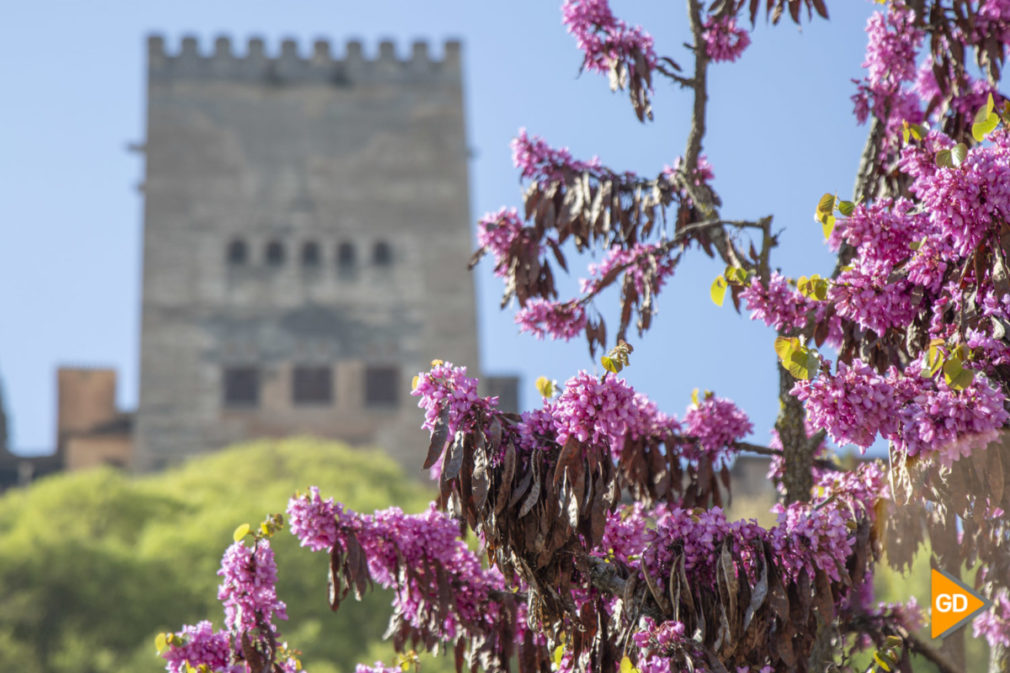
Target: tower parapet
<point x="291" y="65"/>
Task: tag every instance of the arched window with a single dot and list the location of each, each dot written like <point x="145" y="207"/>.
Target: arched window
<point x="238" y="252"/>
<point x="346" y="255"/>
<point x="310" y="254"/>
<point x="382" y="254"/>
<point x="275" y="253"/>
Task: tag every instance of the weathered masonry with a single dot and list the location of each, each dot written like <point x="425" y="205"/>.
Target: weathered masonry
<point x="306" y="233"/>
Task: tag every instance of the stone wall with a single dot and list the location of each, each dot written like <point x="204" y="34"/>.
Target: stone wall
<point x="300" y="212"/>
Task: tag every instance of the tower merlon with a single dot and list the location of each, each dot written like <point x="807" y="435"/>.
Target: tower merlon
<point x="291" y="63"/>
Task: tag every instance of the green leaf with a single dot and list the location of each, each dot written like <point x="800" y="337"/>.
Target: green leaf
<point x="559" y="652"/>
<point x="815" y="287"/>
<point x="737" y="275"/>
<point x="609" y="364"/>
<point x="958" y="153"/>
<point x="161" y="642"/>
<point x="694" y="397"/>
<point x="942" y="159"/>
<point x="545" y="387"/>
<point x="828" y="225"/>
<point x="983" y="127"/>
<point x="883" y="663"/>
<point x="718" y="290"/>
<point x="784" y="346"/>
<point x="935" y="356"/>
<point x="241" y="532"/>
<point x="956" y="376"/>
<point x="798" y="360"/>
<point x="826" y="203"/>
<point x="846" y="207"/>
<point x="627" y="666"/>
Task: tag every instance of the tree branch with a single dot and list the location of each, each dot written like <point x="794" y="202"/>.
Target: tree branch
<point x="920" y="646"/>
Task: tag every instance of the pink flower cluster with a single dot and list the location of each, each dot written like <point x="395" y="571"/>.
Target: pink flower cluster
<point x="723" y="40"/>
<point x="604" y="412"/>
<point x="994" y="623"/>
<point x="540" y="162"/>
<point x="636" y="262"/>
<point x="248" y="587"/>
<point x="853" y="405"/>
<point x="965" y="202"/>
<point x="890" y="62"/>
<point x="882" y="231"/>
<point x="604" y="38"/>
<point x="864" y="295"/>
<point x="698" y="535"/>
<point x="201" y="646"/>
<point x="815" y="536"/>
<point x="377" y="667"/>
<point x="447" y="384"/>
<point x="716" y="423"/>
<point x="908" y="614"/>
<point x="501" y="233"/>
<point x="559" y="320"/>
<point x="778" y="305"/>
<point x="920" y="415"/>
<point x="314" y="520"/>
<point x="656" y="642"/>
<point x="394" y="542"/>
<point x="993" y="20"/>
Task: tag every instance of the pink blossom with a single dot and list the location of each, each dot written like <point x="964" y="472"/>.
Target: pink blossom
<point x="200" y="646"/>
<point x="248" y="587"/>
<point x="559" y="320"/>
<point x="723" y="40"/>
<point x="605" y="39"/>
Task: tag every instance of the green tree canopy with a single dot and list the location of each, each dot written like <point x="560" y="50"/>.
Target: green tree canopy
<point x="94" y="564"/>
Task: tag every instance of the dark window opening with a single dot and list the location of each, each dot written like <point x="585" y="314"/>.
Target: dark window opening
<point x="382" y="254"/>
<point x="312" y="385"/>
<point x="382" y="386"/>
<point x="238" y="253"/>
<point x="275" y="253"/>
<point x="310" y="254"/>
<point x="241" y="386"/>
<point x="345" y="255"/>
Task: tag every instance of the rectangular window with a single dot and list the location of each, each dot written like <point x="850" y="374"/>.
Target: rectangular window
<point x="241" y="387"/>
<point x="382" y="386"/>
<point x="312" y="385"/>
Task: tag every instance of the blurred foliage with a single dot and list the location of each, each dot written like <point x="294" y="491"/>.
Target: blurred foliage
<point x="890" y="586"/>
<point x="94" y="564"/>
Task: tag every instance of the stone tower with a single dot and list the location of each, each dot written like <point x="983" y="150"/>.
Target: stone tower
<point x="306" y="232"/>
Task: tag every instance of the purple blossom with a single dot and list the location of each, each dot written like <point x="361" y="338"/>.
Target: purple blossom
<point x="716" y="423"/>
<point x="605" y="39"/>
<point x="448" y="384"/>
<point x="723" y="40"/>
<point x="604" y="412"/>
<point x="994" y="623"/>
<point x="778" y="304"/>
<point x="644" y="263"/>
<point x="314" y="520"/>
<point x="559" y="320"/>
<point x="542" y="163"/>
<point x="377" y="667"/>
<point x="502" y="233"/>
<point x="201" y="646"/>
<point x="248" y="587"/>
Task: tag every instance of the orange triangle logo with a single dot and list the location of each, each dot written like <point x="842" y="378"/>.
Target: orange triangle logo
<point x="953" y="604"/>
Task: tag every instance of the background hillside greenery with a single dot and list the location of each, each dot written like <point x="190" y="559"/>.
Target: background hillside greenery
<point x="94" y="564"/>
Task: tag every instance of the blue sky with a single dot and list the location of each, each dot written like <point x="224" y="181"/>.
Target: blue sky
<point x="781" y="133"/>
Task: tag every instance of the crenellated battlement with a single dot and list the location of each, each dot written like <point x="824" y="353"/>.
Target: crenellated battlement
<point x="293" y="64"/>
